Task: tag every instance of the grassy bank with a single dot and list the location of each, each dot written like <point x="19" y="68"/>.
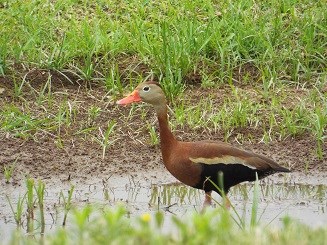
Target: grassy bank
<point x="262" y="65"/>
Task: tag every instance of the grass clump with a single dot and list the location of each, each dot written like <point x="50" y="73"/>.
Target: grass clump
<point x="8" y="171"/>
<point x="22" y="123"/>
<point x="67" y="203"/>
<point x="18" y="211"/>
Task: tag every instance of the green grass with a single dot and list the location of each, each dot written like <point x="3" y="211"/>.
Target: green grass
<point x="67" y="203"/>
<point x="261" y="66"/>
<point x="18" y="210"/>
<point x="106" y="136"/>
<point x="40" y="191"/>
<point x="154" y="139"/>
<point x="173" y="38"/>
<point x="213" y="227"/>
<point x="30" y="201"/>
<point x="8" y="171"/>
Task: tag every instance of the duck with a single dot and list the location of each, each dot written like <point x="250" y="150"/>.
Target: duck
<point x="205" y="165"/>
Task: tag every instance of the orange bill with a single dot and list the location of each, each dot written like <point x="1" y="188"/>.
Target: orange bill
<point x="133" y="97"/>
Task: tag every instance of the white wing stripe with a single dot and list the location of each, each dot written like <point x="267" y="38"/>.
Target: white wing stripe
<point x="222" y="159"/>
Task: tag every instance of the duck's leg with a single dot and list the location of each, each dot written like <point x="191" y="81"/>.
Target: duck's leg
<point x="226" y="202"/>
<point x="207" y="200"/>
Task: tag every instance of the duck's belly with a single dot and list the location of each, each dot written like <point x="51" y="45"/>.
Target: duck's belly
<point x="189" y="174"/>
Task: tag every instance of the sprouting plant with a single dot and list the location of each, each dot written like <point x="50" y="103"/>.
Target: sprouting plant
<point x="180" y="113"/>
<point x="81" y="220"/>
<point x="106" y="136"/>
<point x="268" y="81"/>
<point x="66" y="114"/>
<point x="18" y="213"/>
<point x="87" y="70"/>
<point x="40" y="189"/>
<point x="254" y="210"/>
<point x="172" y="89"/>
<point x="113" y="81"/>
<point x="9" y="170"/>
<point x="92" y="113"/>
<point x="319" y="122"/>
<point x="45" y="93"/>
<point x="18" y="86"/>
<point x="57" y="57"/>
<point x="154" y="140"/>
<point x="30" y="204"/>
<point x="67" y="201"/>
<point x="22" y="123"/>
<point x="3" y="66"/>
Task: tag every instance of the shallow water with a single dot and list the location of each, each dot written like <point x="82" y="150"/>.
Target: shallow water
<point x="301" y="197"/>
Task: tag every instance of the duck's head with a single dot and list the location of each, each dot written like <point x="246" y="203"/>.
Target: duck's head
<point x="148" y="92"/>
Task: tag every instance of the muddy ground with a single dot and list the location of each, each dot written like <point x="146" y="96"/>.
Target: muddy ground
<point x="79" y="157"/>
<point x="81" y="160"/>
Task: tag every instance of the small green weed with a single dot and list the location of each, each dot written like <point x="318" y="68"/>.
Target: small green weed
<point x="22" y="123"/>
<point x="30" y="204"/>
<point x="106" y="137"/>
<point x="19" y="211"/>
<point x="9" y="170"/>
<point x="92" y="114"/>
<point x="319" y="123"/>
<point x="40" y="190"/>
<point x="67" y="202"/>
<point x="154" y="140"/>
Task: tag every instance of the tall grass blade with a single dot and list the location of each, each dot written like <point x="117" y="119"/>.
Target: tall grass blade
<point x="67" y="203"/>
<point x="40" y="189"/>
<point x="18" y="213"/>
<point x="30" y="204"/>
<point x="254" y="211"/>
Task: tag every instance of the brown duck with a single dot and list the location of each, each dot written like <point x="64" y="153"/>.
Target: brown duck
<point x="198" y="164"/>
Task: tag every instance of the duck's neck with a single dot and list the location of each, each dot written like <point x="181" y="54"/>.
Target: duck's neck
<point x="167" y="139"/>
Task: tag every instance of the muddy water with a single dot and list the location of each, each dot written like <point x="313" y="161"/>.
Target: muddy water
<point x="302" y="197"/>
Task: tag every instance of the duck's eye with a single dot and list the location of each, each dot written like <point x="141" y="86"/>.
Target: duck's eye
<point x="146" y="89"/>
